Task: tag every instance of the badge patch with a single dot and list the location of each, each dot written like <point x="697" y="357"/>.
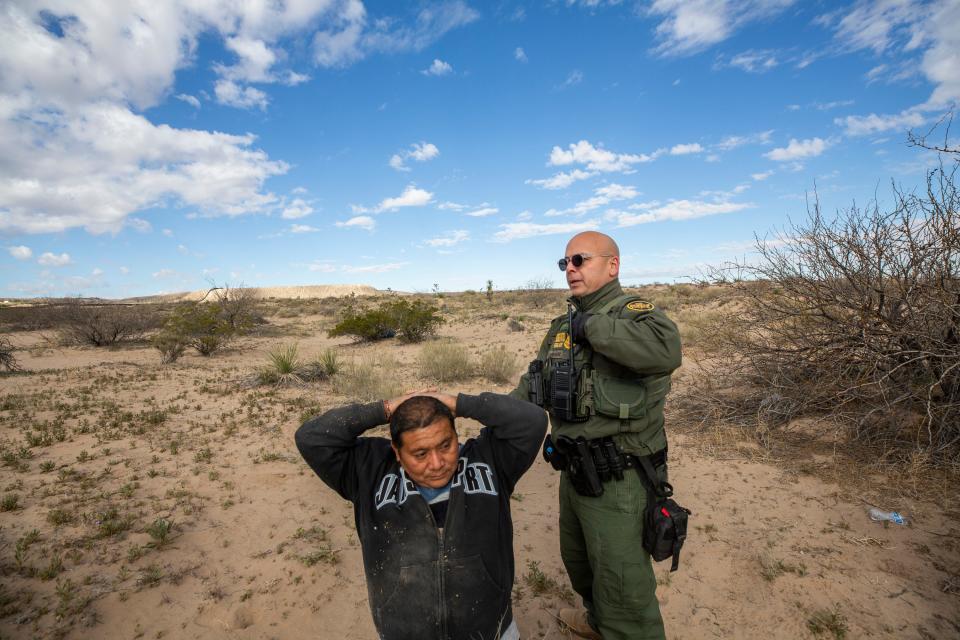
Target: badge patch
<point x="640" y="305"/>
<point x="561" y="340"/>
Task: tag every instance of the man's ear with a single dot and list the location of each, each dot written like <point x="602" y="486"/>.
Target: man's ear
<point x="396" y="451"/>
<point x="614" y="266"/>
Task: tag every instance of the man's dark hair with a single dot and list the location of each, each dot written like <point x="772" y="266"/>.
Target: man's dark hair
<point x="416" y="413"/>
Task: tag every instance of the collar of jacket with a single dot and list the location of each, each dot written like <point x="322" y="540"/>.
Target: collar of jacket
<point x="598" y="298"/>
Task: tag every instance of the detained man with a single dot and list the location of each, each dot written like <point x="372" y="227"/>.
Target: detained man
<point x="432" y="513"/>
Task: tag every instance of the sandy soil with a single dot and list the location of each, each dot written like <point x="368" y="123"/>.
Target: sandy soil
<point x="260" y="548"/>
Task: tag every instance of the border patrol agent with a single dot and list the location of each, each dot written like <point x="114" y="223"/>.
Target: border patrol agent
<point x="603" y="373"/>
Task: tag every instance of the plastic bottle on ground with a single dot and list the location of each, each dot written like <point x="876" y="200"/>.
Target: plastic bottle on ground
<point x="879" y="515"/>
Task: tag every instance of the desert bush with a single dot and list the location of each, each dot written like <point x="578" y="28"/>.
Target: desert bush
<point x="237" y="306"/>
<point x="193" y="324"/>
<point x="498" y="365"/>
<point x="283" y="367"/>
<point x="409" y="321"/>
<point x="855" y="317"/>
<point x="445" y="361"/>
<point x="98" y="324"/>
<point x="8" y="361"/>
<point x="369" y="379"/>
<point x="330" y="361"/>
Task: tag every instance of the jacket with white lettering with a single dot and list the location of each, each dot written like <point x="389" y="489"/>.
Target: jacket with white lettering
<point x="424" y="582"/>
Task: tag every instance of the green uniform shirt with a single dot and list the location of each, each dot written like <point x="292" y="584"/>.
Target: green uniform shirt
<point x="633" y="341"/>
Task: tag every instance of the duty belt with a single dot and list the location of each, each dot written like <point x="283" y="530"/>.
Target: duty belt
<point x="590" y="463"/>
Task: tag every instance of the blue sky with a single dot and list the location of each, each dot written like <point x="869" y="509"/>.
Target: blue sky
<point x="159" y="146"/>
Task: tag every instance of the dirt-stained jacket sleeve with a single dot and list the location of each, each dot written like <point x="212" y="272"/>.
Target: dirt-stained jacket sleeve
<point x="332" y="446"/>
<point x="515" y="429"/>
<point x="646" y="341"/>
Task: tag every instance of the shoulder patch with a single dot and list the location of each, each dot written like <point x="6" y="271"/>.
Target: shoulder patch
<point x="640" y="305"/>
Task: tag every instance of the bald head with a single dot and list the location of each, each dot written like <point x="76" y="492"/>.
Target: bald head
<point x="601" y="262"/>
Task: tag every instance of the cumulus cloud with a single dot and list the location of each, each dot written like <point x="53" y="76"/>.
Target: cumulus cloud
<point x="675" y="210"/>
<point x="361" y="222"/>
<point x="799" y="149"/>
<point x="302" y="228"/>
<point x="562" y="180"/>
<point x="520" y="55"/>
<point x="596" y="158"/>
<point x="602" y="197"/>
<point x="518" y="230"/>
<point x="449" y="239"/>
<point x="873" y="123"/>
<point x="231" y="94"/>
<point x="412" y="196"/>
<point x="482" y="212"/>
<point x="53" y="260"/>
<point x="684" y="149"/>
<point x="190" y="100"/>
<point x="761" y="176"/>
<point x="438" y="68"/>
<point x="298" y="208"/>
<point x="418" y="151"/>
<point x="689" y="26"/>
<point x="21" y="252"/>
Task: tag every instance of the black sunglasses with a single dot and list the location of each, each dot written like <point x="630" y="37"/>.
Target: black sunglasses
<point x="578" y="259"/>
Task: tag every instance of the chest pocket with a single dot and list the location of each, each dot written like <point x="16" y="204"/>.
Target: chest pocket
<point x="616" y="397"/>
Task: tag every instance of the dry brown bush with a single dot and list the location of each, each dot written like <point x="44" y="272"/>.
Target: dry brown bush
<point x="100" y="324"/>
<point x="855" y="317"/>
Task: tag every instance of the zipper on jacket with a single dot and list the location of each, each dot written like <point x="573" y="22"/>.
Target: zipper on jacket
<point x="440" y="567"/>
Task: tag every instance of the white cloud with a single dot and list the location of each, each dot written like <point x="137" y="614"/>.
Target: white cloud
<point x="827" y="106"/>
<point x="676" y="210"/>
<point x="231" y="94"/>
<point x="798" y="149"/>
<point x="449" y="239"/>
<point x="761" y="176"/>
<point x="438" y="68"/>
<point x="418" y="151"/>
<point x="598" y="158"/>
<point x="362" y="222"/>
<point x="412" y="196"/>
<point x="298" y="208"/>
<point x="520" y="55"/>
<point x="351" y="37"/>
<point x="139" y="225"/>
<point x="481" y="213"/>
<point x="124" y="270"/>
<point x="518" y="230"/>
<point x="602" y="197"/>
<point x="322" y="267"/>
<point x="164" y="273"/>
<point x="754" y="61"/>
<point x="452" y="206"/>
<point x="302" y="228"/>
<point x="183" y="250"/>
<point x="374" y="268"/>
<point x="190" y="100"/>
<point x="298" y="191"/>
<point x="21" y="252"/>
<point x="683" y="149"/>
<point x="732" y="142"/>
<point x="168" y="233"/>
<point x="690" y="26"/>
<point x="52" y="260"/>
<point x="873" y="123"/>
<point x="97" y="271"/>
<point x="562" y="180"/>
<point x="574" y="78"/>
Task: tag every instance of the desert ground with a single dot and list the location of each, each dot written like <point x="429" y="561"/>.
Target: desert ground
<point x="149" y="500"/>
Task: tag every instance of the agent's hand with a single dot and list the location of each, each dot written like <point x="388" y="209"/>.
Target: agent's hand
<point x="579" y="328"/>
<point x="389" y="406"/>
<point x="445" y="398"/>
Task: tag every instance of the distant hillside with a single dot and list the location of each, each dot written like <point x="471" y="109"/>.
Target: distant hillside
<point x="312" y="291"/>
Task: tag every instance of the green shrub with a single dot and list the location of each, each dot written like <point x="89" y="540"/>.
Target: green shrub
<point x="283" y="368"/>
<point x="201" y="326"/>
<point x="408" y="321"/>
<point x="330" y="361"/>
<point x="445" y="361"/>
<point x="498" y="365"/>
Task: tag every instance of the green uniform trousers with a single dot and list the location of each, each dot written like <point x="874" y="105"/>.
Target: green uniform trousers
<point x="601" y="547"/>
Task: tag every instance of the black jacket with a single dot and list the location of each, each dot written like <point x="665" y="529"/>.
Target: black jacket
<point x="424" y="582"/>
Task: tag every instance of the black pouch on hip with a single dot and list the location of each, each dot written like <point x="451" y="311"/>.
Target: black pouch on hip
<point x="664" y="521"/>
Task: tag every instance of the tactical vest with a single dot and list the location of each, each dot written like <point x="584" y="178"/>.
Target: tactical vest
<point x="604" y="388"/>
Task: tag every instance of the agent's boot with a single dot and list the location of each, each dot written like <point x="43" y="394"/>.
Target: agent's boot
<point x="576" y="621"/>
